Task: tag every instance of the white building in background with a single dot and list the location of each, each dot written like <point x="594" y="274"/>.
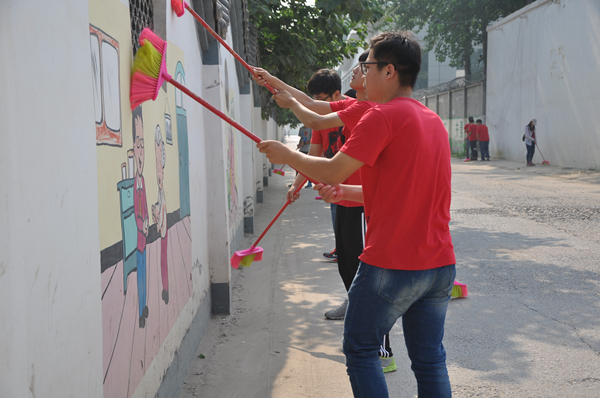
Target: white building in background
<point x="543" y="63"/>
<point x="437" y="72"/>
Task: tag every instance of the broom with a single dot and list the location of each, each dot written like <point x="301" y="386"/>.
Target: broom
<point x="279" y="171"/>
<point x="246" y="257"/>
<point x="179" y="7"/>
<point x="545" y="162"/>
<point x="150" y="71"/>
<point x="459" y="290"/>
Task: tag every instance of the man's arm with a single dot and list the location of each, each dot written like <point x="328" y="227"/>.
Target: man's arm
<point x="307" y="117"/>
<point x="264" y="77"/>
<point x="332" y="194"/>
<point x="332" y="171"/>
<point x="315" y="150"/>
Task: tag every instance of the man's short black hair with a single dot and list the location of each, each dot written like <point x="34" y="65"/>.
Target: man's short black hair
<point x="471" y="120"/>
<point x="479" y="121"/>
<point x="401" y="50"/>
<point x="137" y="112"/>
<point x="363" y="57"/>
<point x="350" y="93"/>
<point x="324" y="81"/>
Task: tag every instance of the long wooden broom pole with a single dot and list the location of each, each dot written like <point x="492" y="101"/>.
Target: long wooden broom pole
<point x="224" y="43"/>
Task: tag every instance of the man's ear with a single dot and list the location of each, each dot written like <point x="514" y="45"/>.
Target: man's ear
<point x="390" y="71"/>
<point x="336" y="96"/>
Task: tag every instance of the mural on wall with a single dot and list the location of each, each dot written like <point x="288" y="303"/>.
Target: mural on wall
<point x="159" y="210"/>
<point x="232" y="191"/>
<point x="145" y="240"/>
<point x="182" y="136"/>
<point x="105" y="86"/>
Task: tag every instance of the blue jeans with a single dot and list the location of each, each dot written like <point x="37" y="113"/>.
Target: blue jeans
<point x="333" y="208"/>
<point x="377" y="298"/>
<point x="485" y="149"/>
<point x="530" y="152"/>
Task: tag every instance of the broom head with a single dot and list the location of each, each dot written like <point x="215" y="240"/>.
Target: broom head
<point x="246" y="257"/>
<point x="279" y="171"/>
<point x="459" y="290"/>
<point x="546" y="163"/>
<point x="149" y="69"/>
<point x="178" y="7"/>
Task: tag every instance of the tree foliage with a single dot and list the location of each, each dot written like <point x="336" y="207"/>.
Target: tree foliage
<point x="296" y="39"/>
<point x="453" y="26"/>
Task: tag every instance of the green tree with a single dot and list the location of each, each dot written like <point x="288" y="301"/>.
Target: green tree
<point x="296" y="39"/>
<point x="453" y="26"/>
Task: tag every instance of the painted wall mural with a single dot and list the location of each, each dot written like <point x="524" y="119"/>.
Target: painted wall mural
<point x="144" y="215"/>
<point x="231" y="155"/>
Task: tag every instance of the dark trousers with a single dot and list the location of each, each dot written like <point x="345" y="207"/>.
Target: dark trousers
<point x="350" y="228"/>
<point x="530" y="152"/>
<point x="473" y="149"/>
<point x="484" y="146"/>
<point x="467" y="147"/>
<point x="348" y="241"/>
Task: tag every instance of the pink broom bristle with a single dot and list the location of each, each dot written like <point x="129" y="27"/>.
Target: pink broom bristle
<point x="142" y="89"/>
<point x="149" y="69"/>
<point x="153" y="38"/>
<point x="246" y="257"/>
<point x="178" y="7"/>
<point x="459" y="290"/>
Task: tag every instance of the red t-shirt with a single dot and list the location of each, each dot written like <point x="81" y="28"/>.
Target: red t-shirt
<point x="406" y="185"/>
<point x="350" y="111"/>
<point x="473" y="130"/>
<point x="482" y="130"/>
<point x="466" y="128"/>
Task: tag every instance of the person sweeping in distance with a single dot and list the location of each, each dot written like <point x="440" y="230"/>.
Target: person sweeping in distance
<point x="407" y="267"/>
<point x="350" y="226"/>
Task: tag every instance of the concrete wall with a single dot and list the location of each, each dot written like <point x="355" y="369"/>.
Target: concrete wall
<point x="450" y="106"/>
<point x="50" y="316"/>
<point x="542" y="63"/>
<point x="71" y="279"/>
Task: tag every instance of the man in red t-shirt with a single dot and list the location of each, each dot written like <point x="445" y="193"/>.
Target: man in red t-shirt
<point x="350" y="224"/>
<point x="407" y="267"/>
<point x="472" y="136"/>
<point x="484" y="140"/>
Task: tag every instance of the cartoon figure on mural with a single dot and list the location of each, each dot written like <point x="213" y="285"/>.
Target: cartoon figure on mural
<point x="159" y="211"/>
<point x="141" y="211"/>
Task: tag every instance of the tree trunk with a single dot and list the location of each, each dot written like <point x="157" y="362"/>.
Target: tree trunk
<point x="467" y="57"/>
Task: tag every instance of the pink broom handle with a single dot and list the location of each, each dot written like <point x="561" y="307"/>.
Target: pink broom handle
<point x="223" y="116"/>
<point x="224" y="43"/>
<point x="214" y="110"/>
<point x="278" y="214"/>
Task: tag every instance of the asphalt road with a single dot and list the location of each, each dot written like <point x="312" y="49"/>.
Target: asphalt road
<point x="527" y="243"/>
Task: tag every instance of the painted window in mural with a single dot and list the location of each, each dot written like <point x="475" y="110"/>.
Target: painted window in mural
<point x="106" y="87"/>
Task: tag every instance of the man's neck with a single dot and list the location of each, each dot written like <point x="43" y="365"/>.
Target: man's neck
<point x="361" y="95"/>
<point x="403" y="91"/>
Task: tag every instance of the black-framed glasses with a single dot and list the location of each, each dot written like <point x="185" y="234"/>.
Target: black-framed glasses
<point x="317" y="98"/>
<point x="364" y="69"/>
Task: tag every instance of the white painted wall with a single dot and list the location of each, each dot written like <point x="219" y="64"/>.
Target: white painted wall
<point x="50" y="316"/>
<point x="543" y="63"/>
<point x="50" y="281"/>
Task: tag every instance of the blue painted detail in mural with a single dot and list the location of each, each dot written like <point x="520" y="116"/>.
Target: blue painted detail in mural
<point x="128" y="228"/>
<point x="182" y="140"/>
